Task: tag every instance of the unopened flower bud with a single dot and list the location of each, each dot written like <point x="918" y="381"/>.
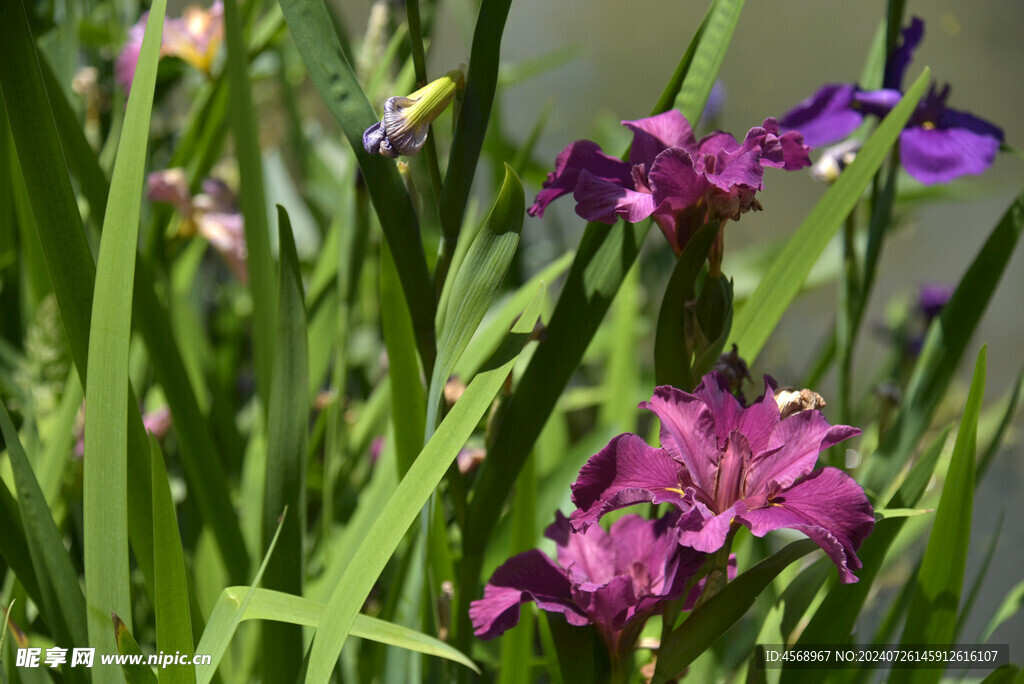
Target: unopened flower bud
<point x="403" y="130"/>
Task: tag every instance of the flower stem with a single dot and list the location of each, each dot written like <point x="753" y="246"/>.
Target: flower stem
<point x="846" y="311"/>
<point x="718" y="574"/>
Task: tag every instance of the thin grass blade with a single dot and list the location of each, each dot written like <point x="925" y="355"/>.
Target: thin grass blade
<point x="105" y="470"/>
<point x="63" y="603"/>
<point x="285" y="486"/>
<point x="412" y="493"/>
<point x="932" y="615"/>
<point x="173" y="623"/>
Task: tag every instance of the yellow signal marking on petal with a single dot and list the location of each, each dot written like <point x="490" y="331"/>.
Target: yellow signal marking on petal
<point x="928" y="126"/>
<point x="680" y="492"/>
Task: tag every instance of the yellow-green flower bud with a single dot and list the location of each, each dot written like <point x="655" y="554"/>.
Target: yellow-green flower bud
<point x="403" y="130"/>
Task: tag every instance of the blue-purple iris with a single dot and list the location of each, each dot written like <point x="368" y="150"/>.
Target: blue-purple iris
<point x="938" y="144"/>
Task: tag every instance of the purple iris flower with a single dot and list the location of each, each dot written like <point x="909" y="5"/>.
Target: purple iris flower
<point x="931" y="298"/>
<point x="680" y="182"/>
<point x="614" y="580"/>
<point x="937" y="145"/>
<point x="722" y="463"/>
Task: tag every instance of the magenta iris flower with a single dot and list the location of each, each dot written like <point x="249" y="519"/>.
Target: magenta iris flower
<point x="680" y="182"/>
<point x="722" y="463"/>
<point x="614" y="580"/>
<point x="937" y="145"/>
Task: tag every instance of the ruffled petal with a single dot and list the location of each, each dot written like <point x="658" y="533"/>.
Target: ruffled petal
<point x="674" y="182"/>
<point x="687" y="433"/>
<point x="586" y="557"/>
<point x="580" y="155"/>
<point x="602" y="200"/>
<point x="703" y="530"/>
<point x="793" y="449"/>
<point x="794" y="154"/>
<point x="825" y="116"/>
<point x="530" y="576"/>
<point x="625" y="472"/>
<point x="657" y="133"/>
<point x="829" y="507"/>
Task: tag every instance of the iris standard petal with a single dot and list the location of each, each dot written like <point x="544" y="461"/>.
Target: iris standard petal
<point x="657" y="133"/>
<point x="793" y="449"/>
<point x="625" y="472"/>
<point x="674" y="181"/>
<point x="904" y="53"/>
<point x="687" y="433"/>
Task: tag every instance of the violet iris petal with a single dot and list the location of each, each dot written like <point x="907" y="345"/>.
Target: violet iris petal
<point x="580" y="155"/>
<point x="825" y="116"/>
<point x="938" y="144"/>
<point x="671" y="176"/>
<point x="829" y="507"/>
<point x="625" y="472"/>
<point x="942" y="153"/>
<point x="613" y="579"/>
<point x="910" y="38"/>
<point x="724" y="463"/>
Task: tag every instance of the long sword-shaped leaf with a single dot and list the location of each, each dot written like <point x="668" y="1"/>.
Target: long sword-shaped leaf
<point x="311" y="27"/>
<point x="834" y="620"/>
<point x="134" y="672"/>
<point x="477" y="280"/>
<point x="408" y="397"/>
<point x="286" y="457"/>
<point x="105" y="470"/>
<point x="63" y="603"/>
<point x="250" y="170"/>
<point x="932" y="615"/>
<point x="711" y="620"/>
<point x="68" y="258"/>
<point x="716" y="31"/>
<point x="14" y="546"/>
<point x="226" y="616"/>
<point x="412" y="493"/>
<point x="944" y="347"/>
<point x="481" y="83"/>
<point x="171" y="600"/>
<point x="274" y="605"/>
<point x="756" y="320"/>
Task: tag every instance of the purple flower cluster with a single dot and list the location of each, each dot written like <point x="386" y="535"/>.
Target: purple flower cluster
<point x="720" y="465"/>
<point x="681" y="182"/>
<point x="938" y="144"/>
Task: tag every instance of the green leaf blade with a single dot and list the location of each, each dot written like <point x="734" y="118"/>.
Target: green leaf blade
<point x="408" y="499"/>
<point x="105" y="472"/>
<point x="285" y="483"/>
<point x="931" y="618"/>
<point x="170" y="586"/>
<point x="476" y="282"/>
